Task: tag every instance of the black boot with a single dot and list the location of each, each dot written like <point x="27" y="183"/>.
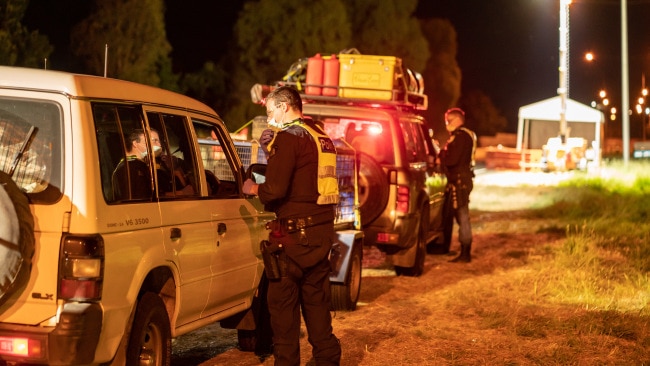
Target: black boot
<point x="464" y="256"/>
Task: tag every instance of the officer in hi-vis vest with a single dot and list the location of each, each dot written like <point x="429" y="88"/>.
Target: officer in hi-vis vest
<point x="302" y="189"/>
<point x="458" y="159"/>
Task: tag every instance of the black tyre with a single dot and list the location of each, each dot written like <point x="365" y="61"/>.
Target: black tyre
<point x="260" y="339"/>
<point x="373" y="189"/>
<point x="345" y="296"/>
<point x="421" y="249"/>
<point x="150" y="342"/>
<point x="16" y="256"/>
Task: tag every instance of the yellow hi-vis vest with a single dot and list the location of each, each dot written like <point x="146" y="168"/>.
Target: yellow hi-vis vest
<point x="328" y="185"/>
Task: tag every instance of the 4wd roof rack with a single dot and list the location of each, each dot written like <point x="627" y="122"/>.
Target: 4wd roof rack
<point x="351" y="78"/>
<point x="400" y="99"/>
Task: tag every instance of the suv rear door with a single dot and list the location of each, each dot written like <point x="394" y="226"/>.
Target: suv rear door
<point x="42" y="173"/>
<point x="187" y="230"/>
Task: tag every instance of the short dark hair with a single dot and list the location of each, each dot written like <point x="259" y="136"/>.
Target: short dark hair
<point x="286" y="94"/>
<point x="135" y="135"/>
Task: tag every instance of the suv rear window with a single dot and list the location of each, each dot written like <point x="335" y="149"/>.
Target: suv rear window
<point x="370" y="137"/>
<point x="30" y="147"/>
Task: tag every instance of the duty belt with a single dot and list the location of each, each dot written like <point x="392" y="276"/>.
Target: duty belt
<point x="298" y="223"/>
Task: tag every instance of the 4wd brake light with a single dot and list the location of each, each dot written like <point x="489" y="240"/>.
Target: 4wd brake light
<point x="23" y="347"/>
<point x="81" y="270"/>
<point x="402" y="203"/>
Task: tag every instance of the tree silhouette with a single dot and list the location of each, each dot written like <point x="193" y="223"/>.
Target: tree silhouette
<point x="389" y="28"/>
<point x="482" y="116"/>
<point x="271" y="35"/>
<point x="134" y="31"/>
<point x="442" y="75"/>
<point x="18" y="45"/>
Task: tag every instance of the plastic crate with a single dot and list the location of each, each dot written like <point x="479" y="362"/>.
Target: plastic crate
<point x="367" y="76"/>
<point x="214" y="159"/>
<point x="345" y="170"/>
<point x="250" y="153"/>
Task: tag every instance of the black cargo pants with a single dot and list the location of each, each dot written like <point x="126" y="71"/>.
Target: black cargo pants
<point x="306" y="286"/>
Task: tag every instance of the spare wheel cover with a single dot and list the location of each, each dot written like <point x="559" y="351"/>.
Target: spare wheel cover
<point x="16" y="237"/>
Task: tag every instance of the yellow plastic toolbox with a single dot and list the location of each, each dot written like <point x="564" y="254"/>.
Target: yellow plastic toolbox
<point x="367" y="76"/>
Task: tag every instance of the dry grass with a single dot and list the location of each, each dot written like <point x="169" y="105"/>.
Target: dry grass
<point x="526" y="299"/>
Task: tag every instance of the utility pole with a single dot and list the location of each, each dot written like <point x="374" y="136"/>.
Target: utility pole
<point x="625" y="92"/>
<point x="563" y="90"/>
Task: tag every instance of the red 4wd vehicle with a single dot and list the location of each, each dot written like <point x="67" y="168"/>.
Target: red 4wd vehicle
<point x="375" y="108"/>
<point x="401" y="189"/>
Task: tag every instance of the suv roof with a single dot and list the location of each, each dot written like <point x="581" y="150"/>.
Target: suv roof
<point x="88" y="86"/>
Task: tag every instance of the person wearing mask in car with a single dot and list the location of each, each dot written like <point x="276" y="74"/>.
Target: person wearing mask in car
<point x="170" y="170"/>
<point x="301" y="188"/>
<point x="131" y="177"/>
<point x="457" y="158"/>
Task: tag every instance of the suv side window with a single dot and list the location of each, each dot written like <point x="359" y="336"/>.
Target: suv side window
<point x="219" y="172"/>
<point x="125" y="177"/>
<point x="175" y="162"/>
<point x="414" y="142"/>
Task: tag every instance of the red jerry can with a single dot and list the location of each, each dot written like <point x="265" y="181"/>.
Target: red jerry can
<point x="314" y="75"/>
<point x="331" y="75"/>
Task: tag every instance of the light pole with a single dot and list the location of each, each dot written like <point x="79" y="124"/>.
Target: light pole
<point x="625" y="94"/>
<point x="563" y="89"/>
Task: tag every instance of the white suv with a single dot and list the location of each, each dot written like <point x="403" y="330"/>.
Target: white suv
<point x="123" y="261"/>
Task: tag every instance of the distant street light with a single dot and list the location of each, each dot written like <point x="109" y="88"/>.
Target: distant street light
<point x="640" y="109"/>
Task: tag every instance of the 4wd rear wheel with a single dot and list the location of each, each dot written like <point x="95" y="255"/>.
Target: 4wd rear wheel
<point x="150" y="342"/>
<point x="373" y="189"/>
<point x="16" y="238"/>
<point x="345" y="296"/>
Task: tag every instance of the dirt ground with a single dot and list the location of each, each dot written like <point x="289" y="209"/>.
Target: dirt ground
<point x="404" y="321"/>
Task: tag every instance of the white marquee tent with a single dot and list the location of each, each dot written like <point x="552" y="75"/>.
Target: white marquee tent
<point x="541" y="120"/>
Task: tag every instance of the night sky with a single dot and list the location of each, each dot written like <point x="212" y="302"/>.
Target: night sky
<point x="507" y="48"/>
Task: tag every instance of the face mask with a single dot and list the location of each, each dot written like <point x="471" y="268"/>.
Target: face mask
<point x="157" y="150"/>
<point x="276" y="124"/>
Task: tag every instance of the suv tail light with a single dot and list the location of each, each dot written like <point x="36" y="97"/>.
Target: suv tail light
<point x="21" y="347"/>
<point x="81" y="268"/>
<point x="402" y="204"/>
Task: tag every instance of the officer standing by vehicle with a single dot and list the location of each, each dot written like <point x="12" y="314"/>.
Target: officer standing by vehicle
<point x="302" y="189"/>
<point x="458" y="159"/>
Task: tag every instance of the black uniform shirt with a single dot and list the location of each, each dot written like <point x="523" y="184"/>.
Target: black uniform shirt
<point x="457" y="156"/>
<point x="291" y="186"/>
